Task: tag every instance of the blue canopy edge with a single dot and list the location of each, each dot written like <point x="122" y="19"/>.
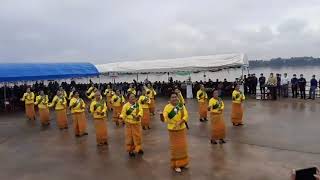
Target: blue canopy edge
<point x="11" y="72"/>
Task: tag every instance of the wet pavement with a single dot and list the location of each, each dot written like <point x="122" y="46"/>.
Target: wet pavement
<point x="277" y="137"/>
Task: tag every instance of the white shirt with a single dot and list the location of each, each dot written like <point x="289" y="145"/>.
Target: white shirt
<point x="285" y="80"/>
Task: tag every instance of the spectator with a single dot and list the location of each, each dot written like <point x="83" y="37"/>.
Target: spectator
<point x="302" y="86"/>
<point x="313" y="87"/>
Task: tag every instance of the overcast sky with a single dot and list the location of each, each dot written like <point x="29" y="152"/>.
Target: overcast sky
<point x="102" y="31"/>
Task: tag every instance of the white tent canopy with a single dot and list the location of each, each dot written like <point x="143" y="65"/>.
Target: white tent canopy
<point x="189" y="64"/>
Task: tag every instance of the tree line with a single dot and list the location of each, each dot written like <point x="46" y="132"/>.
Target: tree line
<point x="279" y="62"/>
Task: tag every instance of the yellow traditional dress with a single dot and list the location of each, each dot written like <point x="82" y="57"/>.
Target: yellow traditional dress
<point x="203" y="104"/>
<point x="178" y="138"/>
<point x="151" y="93"/>
<point x="60" y="104"/>
<point x="132" y="91"/>
<point x="218" y="128"/>
<point x="144" y="101"/>
<point x="117" y="103"/>
<point x="78" y="106"/>
<point x="131" y="114"/>
<point x="99" y="112"/>
<point x="44" y="113"/>
<point x="109" y="93"/>
<point x="28" y="99"/>
<point x="237" y="109"/>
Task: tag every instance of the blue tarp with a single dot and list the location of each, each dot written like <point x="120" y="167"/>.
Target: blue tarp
<point x="10" y="72"/>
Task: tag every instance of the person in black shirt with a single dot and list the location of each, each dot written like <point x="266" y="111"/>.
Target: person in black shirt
<point x="254" y="84"/>
<point x="262" y="82"/>
<point x="313" y="87"/>
<point x="279" y="84"/>
<point x="294" y="86"/>
<point x="245" y="86"/>
<point x="302" y="86"/>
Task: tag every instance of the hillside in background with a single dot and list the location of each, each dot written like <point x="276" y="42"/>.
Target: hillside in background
<point x="281" y="62"/>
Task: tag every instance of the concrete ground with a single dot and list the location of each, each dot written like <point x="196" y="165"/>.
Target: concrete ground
<point x="277" y="137"/>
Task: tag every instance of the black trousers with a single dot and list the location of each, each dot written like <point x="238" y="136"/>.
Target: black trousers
<point x="254" y="89"/>
<point x="263" y="92"/>
<point x="245" y="89"/>
<point x="302" y="92"/>
<point x="279" y="90"/>
<point x="273" y="92"/>
<point x="294" y="91"/>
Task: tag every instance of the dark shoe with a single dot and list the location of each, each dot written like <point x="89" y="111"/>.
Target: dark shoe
<point x="66" y="128"/>
<point x="149" y="127"/>
<point x="77" y="135"/>
<point x="85" y="134"/>
<point x="141" y="152"/>
<point x="131" y="154"/>
<point x="213" y="142"/>
<point x="222" y="141"/>
<point x="205" y="119"/>
<point x="201" y="120"/>
<point x="105" y="143"/>
<point x="240" y="124"/>
<point x="99" y="144"/>
<point x="144" y="128"/>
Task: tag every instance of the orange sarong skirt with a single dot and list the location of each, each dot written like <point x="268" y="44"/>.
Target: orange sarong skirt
<point x="62" y="121"/>
<point x="152" y="106"/>
<point x="203" y="109"/>
<point x="101" y="130"/>
<point x="116" y="114"/>
<point x="79" y="123"/>
<point x="237" y="113"/>
<point x="178" y="148"/>
<point x="44" y="114"/>
<point x="30" y="113"/>
<point x="145" y="121"/>
<point x="133" y="137"/>
<point x="218" y="127"/>
<point x="109" y="105"/>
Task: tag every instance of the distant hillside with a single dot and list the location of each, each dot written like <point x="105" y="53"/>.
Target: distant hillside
<point x="280" y="62"/>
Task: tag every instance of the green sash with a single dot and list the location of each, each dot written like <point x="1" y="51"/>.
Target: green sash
<point x="202" y="94"/>
<point x="41" y="99"/>
<point x="99" y="104"/>
<point x="116" y="99"/>
<point x="145" y="100"/>
<point x="132" y="108"/>
<point x="175" y="110"/>
<point x="59" y="99"/>
<point x="78" y="102"/>
<point x="217" y="105"/>
<point x="29" y="95"/>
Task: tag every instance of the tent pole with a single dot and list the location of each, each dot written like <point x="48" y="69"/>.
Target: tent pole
<point x="99" y="82"/>
<point x="5" y="96"/>
<point x="242" y="72"/>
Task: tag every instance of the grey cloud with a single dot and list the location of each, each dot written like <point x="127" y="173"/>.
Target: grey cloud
<point x="104" y="31"/>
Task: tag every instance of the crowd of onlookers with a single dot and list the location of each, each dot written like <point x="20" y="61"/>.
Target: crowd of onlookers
<point x="270" y="87"/>
<point x="280" y="86"/>
<point x="14" y="93"/>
